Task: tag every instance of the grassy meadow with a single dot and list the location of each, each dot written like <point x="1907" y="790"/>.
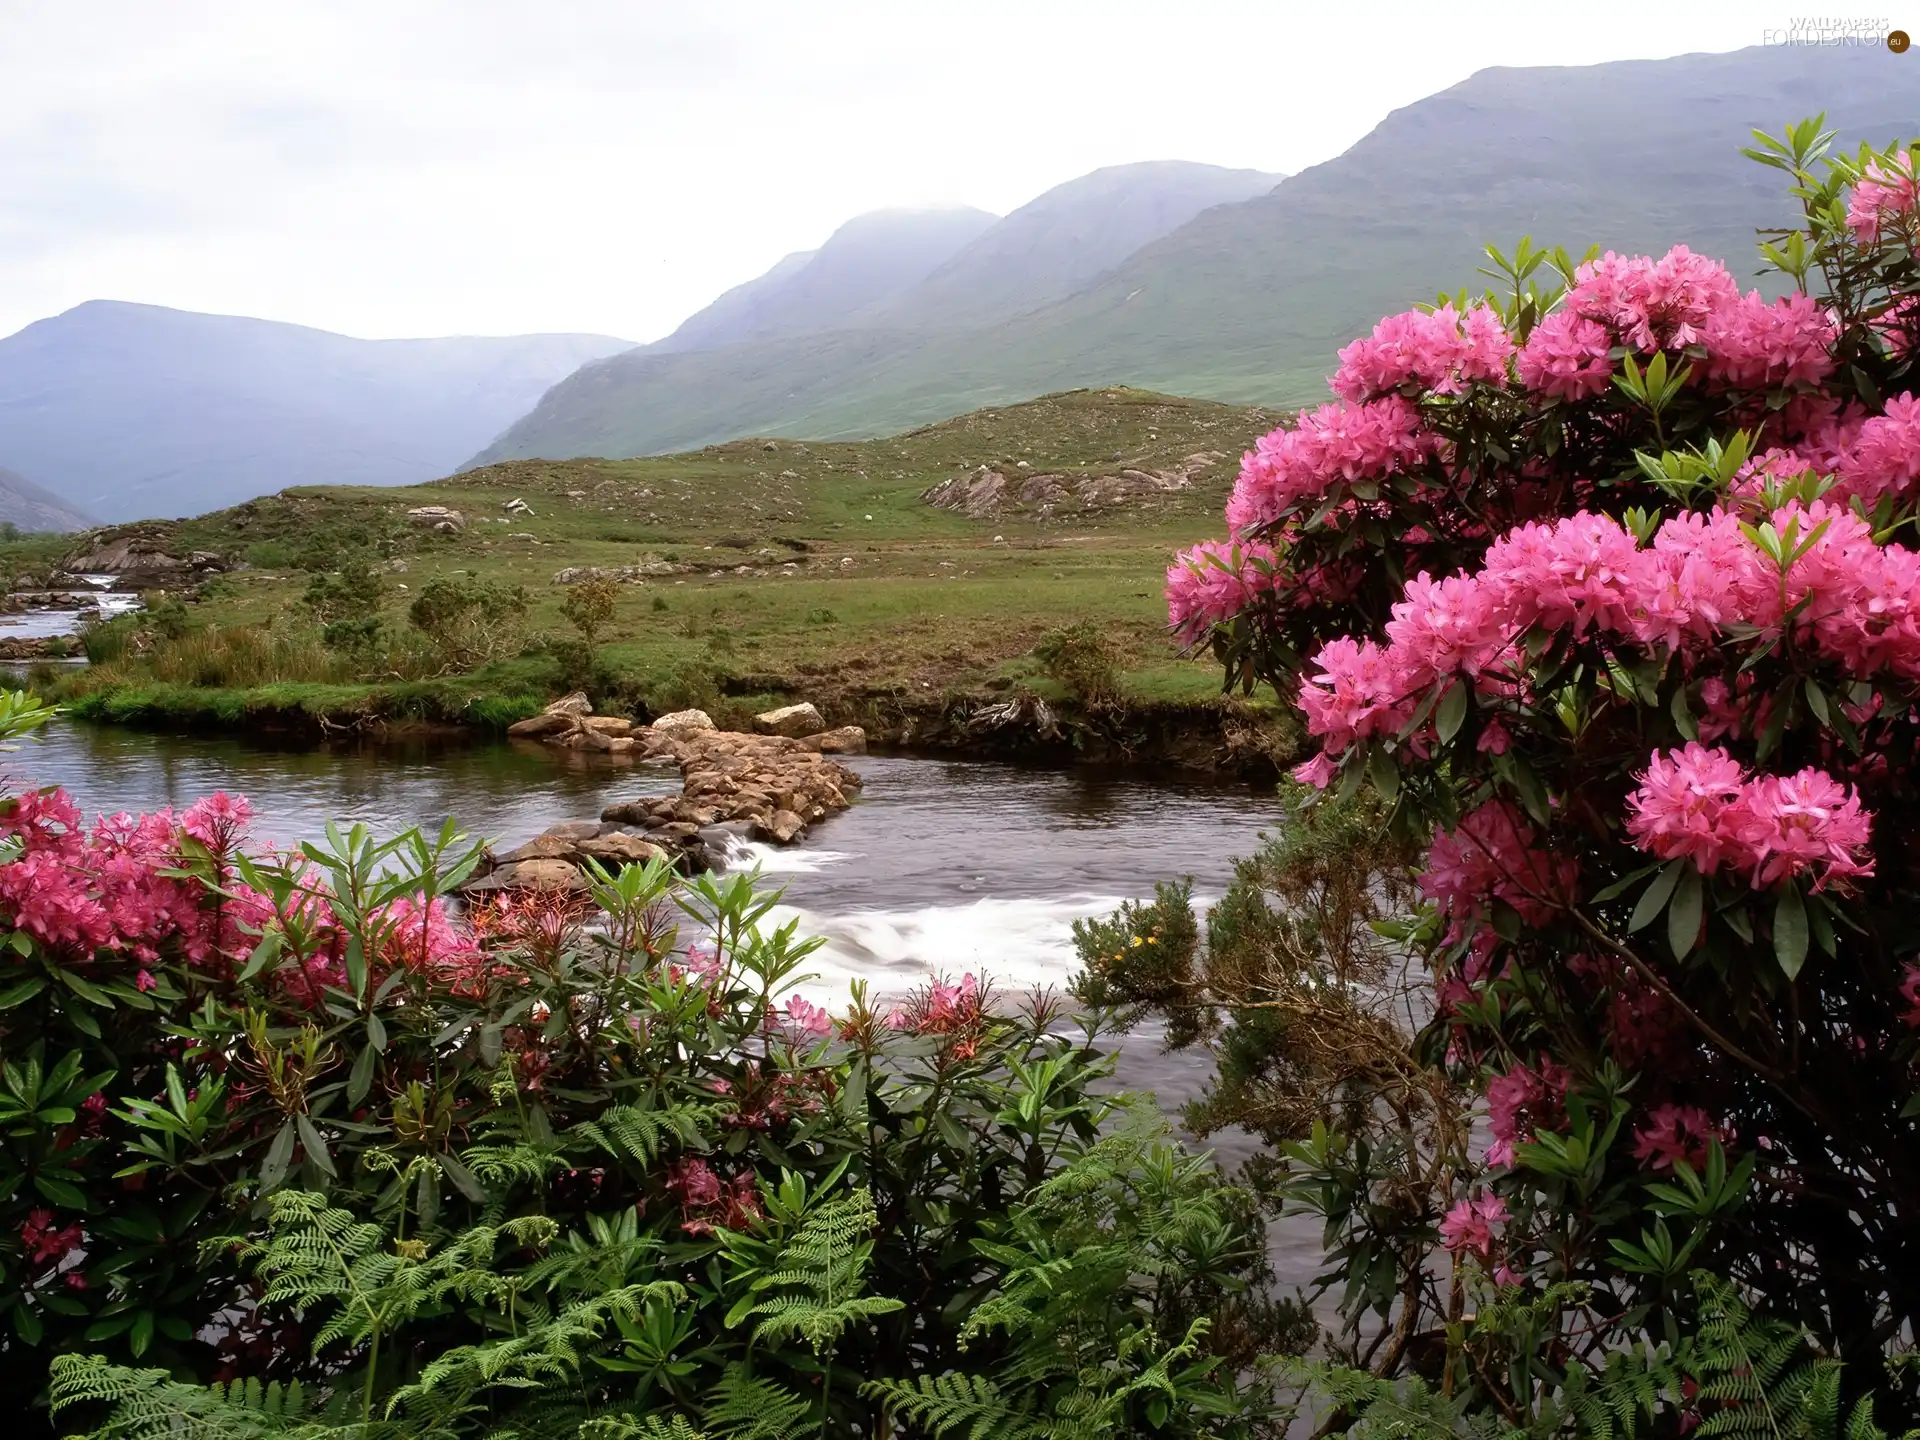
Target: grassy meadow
<point x="798" y="570"/>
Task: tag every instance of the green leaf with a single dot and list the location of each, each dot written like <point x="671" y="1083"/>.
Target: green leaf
<point x="279" y="1155"/>
<point x="315" y="1147"/>
<point x="60" y="1192"/>
<point x="21" y="993"/>
<point x="360" y="1080"/>
<point x="1790" y="930"/>
<point x="1654" y="899"/>
<point x="1452" y="710"/>
<point x="1683" y="916"/>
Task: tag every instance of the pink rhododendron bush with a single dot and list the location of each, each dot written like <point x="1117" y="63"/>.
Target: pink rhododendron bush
<point x="1607" y="583"/>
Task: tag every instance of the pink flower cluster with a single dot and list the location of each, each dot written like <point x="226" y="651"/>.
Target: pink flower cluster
<point x="1857" y="601"/>
<point x="1469" y="1227"/>
<point x="44" y="1242"/>
<point x="1882" y="456"/>
<point x="1673" y="1133"/>
<point x="1650" y="304"/>
<point x="1885" y="194"/>
<point x="1756" y="344"/>
<point x="1699" y="804"/>
<point x="707" y="1201"/>
<point x="1337" y="442"/>
<point x="1214" y="581"/>
<point x="1493" y="854"/>
<point x="1439" y="350"/>
<point x="1520" y="1103"/>
<point x="806" y="1018"/>
<point x="106" y="890"/>
<point x="1568" y="356"/>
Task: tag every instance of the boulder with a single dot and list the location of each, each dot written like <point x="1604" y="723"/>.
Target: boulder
<point x="613" y="725"/>
<point x="784" y="827"/>
<point x="437" y="517"/>
<point x="847" y="740"/>
<point x="792" y="721"/>
<point x="540" y="875"/>
<point x="535" y="727"/>
<point x="621" y="849"/>
<point x="574" y="704"/>
<point x="682" y="722"/>
<point x="541" y="847"/>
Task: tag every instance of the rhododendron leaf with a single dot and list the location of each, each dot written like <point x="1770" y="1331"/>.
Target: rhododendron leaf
<point x="61" y="1192"/>
<point x="1682" y="713"/>
<point x="1385" y="775"/>
<point x="1817" y="701"/>
<point x="360" y="1080"/>
<point x="464" y="1180"/>
<point x="1451" y="712"/>
<point x="1683" y="915"/>
<point x="1625" y="883"/>
<point x="21" y="992"/>
<point x="1655" y="898"/>
<point x="264" y="954"/>
<point x="26" y="1324"/>
<point x="1533" y="795"/>
<point x="315" y="1147"/>
<point x="376" y="1032"/>
<point x="1820" y="923"/>
<point x="1776" y="724"/>
<point x="1739" y="921"/>
<point x="1790" y="930"/>
<point x="273" y="1169"/>
<point x="19" y="941"/>
<point x="87" y="991"/>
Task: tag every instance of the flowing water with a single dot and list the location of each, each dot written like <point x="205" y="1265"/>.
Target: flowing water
<point x="943" y="866"/>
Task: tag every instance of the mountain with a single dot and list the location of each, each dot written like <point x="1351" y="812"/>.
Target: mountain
<point x="25" y="505"/>
<point x="1248" y="301"/>
<point x="866" y="262"/>
<point x="1068" y="237"/>
<point x="136" y="410"/>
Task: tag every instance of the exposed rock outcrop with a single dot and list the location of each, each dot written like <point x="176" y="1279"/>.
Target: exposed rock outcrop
<point x="793" y="721"/>
<point x="137" y="562"/>
<point x="767" y="787"/>
<point x="988" y="493"/>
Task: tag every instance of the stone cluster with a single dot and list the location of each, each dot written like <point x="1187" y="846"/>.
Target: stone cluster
<point x="769" y="786"/>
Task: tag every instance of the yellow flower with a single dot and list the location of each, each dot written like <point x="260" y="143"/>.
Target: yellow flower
<point x="1136" y="942"/>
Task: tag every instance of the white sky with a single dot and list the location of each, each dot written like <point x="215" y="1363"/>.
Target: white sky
<point x="428" y="167"/>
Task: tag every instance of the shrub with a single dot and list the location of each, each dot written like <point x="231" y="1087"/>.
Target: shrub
<point x="294" y="1120"/>
<point x="1598" y="582"/>
<point x="589" y="606"/>
<point x="470" y="621"/>
<point x="1082" y="661"/>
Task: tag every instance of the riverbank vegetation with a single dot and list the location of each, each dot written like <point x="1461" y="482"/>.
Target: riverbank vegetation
<point x="733" y="579"/>
<point x="1646" y="748"/>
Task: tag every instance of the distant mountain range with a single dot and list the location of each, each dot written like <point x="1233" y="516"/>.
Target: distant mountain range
<point x="135" y="410"/>
<point x="27" y="506"/>
<point x="1248" y="296"/>
<point x="1226" y="284"/>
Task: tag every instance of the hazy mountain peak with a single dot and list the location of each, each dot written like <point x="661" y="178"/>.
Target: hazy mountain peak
<point x="32" y="507"/>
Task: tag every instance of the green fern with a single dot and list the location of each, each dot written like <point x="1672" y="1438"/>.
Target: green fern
<point x="960" y="1404"/>
<point x="152" y="1405"/>
<point x="743" y="1407"/>
<point x="631" y="1133"/>
<point x="628" y="1427"/>
<point x="820" y="1287"/>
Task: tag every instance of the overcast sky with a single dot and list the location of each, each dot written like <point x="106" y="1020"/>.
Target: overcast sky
<point x="430" y="167"/>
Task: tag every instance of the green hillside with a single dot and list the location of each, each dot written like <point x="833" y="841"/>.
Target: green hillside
<point x="1248" y="302"/>
<point x="763" y="568"/>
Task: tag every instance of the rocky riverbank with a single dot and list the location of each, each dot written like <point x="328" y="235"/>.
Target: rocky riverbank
<point x="768" y="786"/>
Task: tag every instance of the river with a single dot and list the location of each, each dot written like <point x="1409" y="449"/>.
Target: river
<point x="943" y="866"/>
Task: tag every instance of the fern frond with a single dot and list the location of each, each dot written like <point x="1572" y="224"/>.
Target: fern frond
<point x="743" y="1407"/>
<point x="632" y="1133"/>
<point x="960" y="1405"/>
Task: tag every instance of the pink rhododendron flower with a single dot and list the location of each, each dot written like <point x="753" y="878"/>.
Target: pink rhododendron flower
<point x="1329" y="445"/>
<point x="1469" y="1226"/>
<point x="1438" y="350"/>
<point x="1214" y="581"/>
<point x="808" y="1018"/>
<point x="1756" y="344"/>
<point x="1673" y="1133"/>
<point x="1493" y="854"/>
<point x="1522" y="1102"/>
<point x="1884" y="195"/>
<point x="1884" y="456"/>
<point x="1698" y="803"/>
<point x="1662" y="304"/>
<point x="1568" y="356"/>
<point x="219" y="821"/>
